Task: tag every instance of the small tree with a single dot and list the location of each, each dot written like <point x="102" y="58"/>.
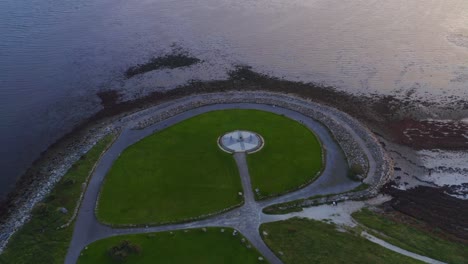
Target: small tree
<point x="356" y="172"/>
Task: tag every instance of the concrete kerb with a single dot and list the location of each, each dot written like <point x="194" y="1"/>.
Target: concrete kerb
<point x="260" y="147"/>
<point x="182" y="221"/>
<point x="341" y="126"/>
<point x="352" y="150"/>
<point x="218" y="141"/>
<point x="383" y="173"/>
<point x="85" y="183"/>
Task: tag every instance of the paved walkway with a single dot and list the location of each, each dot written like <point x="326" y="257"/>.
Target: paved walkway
<point x="245" y="219"/>
<point x="399" y="250"/>
<point x="341" y="214"/>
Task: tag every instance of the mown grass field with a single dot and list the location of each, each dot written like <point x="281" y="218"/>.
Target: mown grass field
<point x="39" y="241"/>
<point x="193" y="246"/>
<point x="412" y="239"/>
<point x="291" y="157"/>
<point x="304" y="241"/>
<point x="180" y="173"/>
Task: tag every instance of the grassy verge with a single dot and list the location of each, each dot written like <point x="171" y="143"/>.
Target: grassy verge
<point x="361" y="187"/>
<point x="288" y="207"/>
<point x="274" y="210"/>
<point x="40" y="241"/>
<point x="300" y="241"/>
<point x="297" y="205"/>
<point x="180" y="173"/>
<point x="412" y="239"/>
<point x="184" y="246"/>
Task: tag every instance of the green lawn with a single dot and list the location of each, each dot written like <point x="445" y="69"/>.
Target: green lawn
<point x="291" y="157"/>
<point x="412" y="239"/>
<point x="180" y="173"/>
<point x="305" y="241"/>
<point x="193" y="246"/>
<point x="39" y="241"/>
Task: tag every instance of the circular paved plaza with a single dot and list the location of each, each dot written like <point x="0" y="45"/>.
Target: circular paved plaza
<point x="342" y="136"/>
<point x="240" y="141"/>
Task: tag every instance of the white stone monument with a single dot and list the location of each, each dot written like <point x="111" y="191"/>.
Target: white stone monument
<point x="241" y="141"/>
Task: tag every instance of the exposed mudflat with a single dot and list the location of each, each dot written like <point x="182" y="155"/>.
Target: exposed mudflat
<point x="414" y="50"/>
<point x="430" y="134"/>
<point x="374" y="111"/>
<point x="406" y="48"/>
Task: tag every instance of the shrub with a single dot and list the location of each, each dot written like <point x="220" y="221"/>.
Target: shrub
<point x="356" y="172"/>
<point x="41" y="209"/>
<point x="68" y="182"/>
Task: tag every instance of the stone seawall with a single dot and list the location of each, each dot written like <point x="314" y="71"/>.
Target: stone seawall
<point x="340" y="124"/>
<point x="350" y="134"/>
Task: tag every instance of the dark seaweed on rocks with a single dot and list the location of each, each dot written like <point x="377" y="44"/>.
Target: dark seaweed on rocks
<point x="433" y="207"/>
<point x="109" y="98"/>
<point x="170" y="61"/>
<point x="374" y="111"/>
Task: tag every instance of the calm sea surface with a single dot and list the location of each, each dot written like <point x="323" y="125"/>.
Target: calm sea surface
<point x="55" y="55"/>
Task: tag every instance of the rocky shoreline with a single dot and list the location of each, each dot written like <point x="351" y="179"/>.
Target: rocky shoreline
<point x="59" y="167"/>
<point x="36" y="190"/>
<point x="376" y="113"/>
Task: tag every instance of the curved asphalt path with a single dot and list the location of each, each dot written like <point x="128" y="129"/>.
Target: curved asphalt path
<point x="245" y="219"/>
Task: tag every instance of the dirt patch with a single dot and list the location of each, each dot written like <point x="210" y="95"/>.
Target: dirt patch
<point x="433" y="207"/>
<point x="430" y="134"/>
